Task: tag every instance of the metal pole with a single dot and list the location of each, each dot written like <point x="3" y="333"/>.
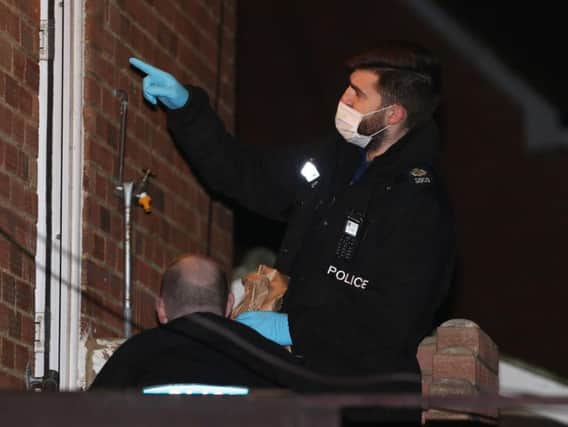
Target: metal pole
<point x="127" y="188"/>
<point x="123" y="114"/>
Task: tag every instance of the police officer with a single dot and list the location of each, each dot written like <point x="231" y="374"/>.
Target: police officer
<point x="370" y="241"/>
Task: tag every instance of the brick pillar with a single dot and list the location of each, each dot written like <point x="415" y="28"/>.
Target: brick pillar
<point x="459" y="360"/>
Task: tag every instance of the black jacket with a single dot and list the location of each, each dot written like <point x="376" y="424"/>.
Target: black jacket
<point x="366" y="314"/>
<point x="184" y="351"/>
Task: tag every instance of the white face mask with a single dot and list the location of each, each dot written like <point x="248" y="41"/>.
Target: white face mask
<point x="347" y="121"/>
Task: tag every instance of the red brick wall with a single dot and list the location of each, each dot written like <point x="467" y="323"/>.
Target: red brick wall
<point x="179" y="36"/>
<point x="19" y="82"/>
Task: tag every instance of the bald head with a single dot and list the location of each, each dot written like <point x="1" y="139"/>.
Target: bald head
<point x="193" y="283"/>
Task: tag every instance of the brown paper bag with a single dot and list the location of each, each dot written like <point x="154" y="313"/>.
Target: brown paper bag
<point x="264" y="290"/>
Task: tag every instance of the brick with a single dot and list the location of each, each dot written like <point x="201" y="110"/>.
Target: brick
<point x="461" y="364"/>
<point x="105" y="131"/>
<point x="104" y="69"/>
<point x="455" y="363"/>
<point x="459" y="388"/>
<point x="30" y="203"/>
<point x="465" y="333"/>
<point x="24" y="297"/>
<point x="18" y="127"/>
<point x="11" y="158"/>
<point x="143" y="304"/>
<point x="10" y="382"/>
<point x="137" y="10"/>
<point x="111" y="253"/>
<point x="92" y="95"/>
<point x="6" y="122"/>
<point x="30" y="9"/>
<point x="111" y="107"/>
<point x="105" y="222"/>
<point x="16" y="260"/>
<point x="6" y="50"/>
<point x="103" y="188"/>
<point x="116" y="227"/>
<point x="99" y="247"/>
<point x="139" y="247"/>
<point x="19" y="63"/>
<point x="113" y="317"/>
<point x="167" y="39"/>
<point x="101" y="156"/>
<point x="118" y="23"/>
<point x="29" y="39"/>
<point x="31" y="140"/>
<point x="7" y="353"/>
<point x="98" y="278"/>
<point x="8" y="290"/>
<point x="22" y="357"/>
<point x="4" y="317"/>
<point x="15" y="325"/>
<point x="29" y="263"/>
<point x="426" y="381"/>
<point x="117" y="289"/>
<point x="445" y="416"/>
<point x="28" y="329"/>
<point x="223" y="217"/>
<point x="23" y="166"/>
<point x="17" y="191"/>
<point x="425" y="355"/>
<point x="32" y="75"/>
<point x="165" y="230"/>
<point x="9" y="23"/>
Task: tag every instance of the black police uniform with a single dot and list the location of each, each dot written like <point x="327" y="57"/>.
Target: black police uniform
<point x="186" y="351"/>
<point x="356" y="304"/>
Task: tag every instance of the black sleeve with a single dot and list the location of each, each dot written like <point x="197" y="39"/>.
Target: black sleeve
<point x="262" y="179"/>
<point x="413" y="262"/>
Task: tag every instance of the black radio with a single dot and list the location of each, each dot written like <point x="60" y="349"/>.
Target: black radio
<point x="350" y="236"/>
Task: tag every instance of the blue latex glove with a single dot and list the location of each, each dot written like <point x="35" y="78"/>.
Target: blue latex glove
<point x="269" y="324"/>
<point x="161" y="85"/>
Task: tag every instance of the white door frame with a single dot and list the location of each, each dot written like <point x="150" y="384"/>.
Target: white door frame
<point x="66" y="195"/>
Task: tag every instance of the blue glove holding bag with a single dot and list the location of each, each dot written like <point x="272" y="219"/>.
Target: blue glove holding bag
<point x="160" y="85"/>
<point x="271" y="325"/>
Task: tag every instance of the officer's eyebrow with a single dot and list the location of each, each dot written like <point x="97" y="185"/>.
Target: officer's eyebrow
<point x="357" y="89"/>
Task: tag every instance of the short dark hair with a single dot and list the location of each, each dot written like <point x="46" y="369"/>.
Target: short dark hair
<point x="409" y="75"/>
<point x="193" y="283"/>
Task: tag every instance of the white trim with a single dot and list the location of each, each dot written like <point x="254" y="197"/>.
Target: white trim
<point x="41" y="212"/>
<point x="72" y="195"/>
<point x="516" y="380"/>
<point x="543" y="127"/>
<point x="59" y="98"/>
<point x="67" y="195"/>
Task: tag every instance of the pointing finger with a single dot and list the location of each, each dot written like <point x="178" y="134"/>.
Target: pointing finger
<point x="144" y="67"/>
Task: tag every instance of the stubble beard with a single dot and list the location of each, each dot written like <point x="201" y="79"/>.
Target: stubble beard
<point x="373" y="124"/>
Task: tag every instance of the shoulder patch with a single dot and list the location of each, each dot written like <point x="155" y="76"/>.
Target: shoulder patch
<point x="420" y="176"/>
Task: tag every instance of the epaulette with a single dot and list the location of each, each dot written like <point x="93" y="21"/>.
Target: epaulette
<point x="420" y="176"/>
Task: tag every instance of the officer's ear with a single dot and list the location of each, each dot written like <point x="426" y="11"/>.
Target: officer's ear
<point x="161" y="311"/>
<point x="396" y="114"/>
<point x="230" y="303"/>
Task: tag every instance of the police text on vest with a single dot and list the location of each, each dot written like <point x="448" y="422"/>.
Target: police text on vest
<point x="347" y="278"/>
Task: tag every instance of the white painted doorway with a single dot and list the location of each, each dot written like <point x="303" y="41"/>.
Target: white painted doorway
<point x="60" y="174"/>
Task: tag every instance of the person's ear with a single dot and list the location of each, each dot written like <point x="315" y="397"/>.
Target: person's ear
<point x="161" y="311"/>
<point x="230" y="303"/>
<point x="396" y="114"/>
